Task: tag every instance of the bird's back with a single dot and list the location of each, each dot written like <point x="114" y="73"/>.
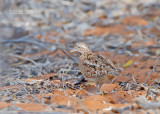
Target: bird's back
<point x="95" y="67"/>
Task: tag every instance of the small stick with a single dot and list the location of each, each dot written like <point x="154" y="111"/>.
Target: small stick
<point x="148" y="91"/>
<point x="122" y="109"/>
<point x="24" y="58"/>
<point x="25" y="39"/>
<point x="17" y="39"/>
<point x="24" y="87"/>
<point x="133" y="79"/>
<point x="69" y="55"/>
<point x="60" y="47"/>
<point x="152" y="70"/>
<point x="143" y="103"/>
<point x="63" y="86"/>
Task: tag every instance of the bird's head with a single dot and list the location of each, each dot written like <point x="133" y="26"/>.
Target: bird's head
<point x="81" y="48"/>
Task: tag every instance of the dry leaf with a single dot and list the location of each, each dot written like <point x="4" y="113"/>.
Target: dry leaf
<point x="128" y="63"/>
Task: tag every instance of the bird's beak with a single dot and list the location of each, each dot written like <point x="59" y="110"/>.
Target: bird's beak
<point x="73" y="50"/>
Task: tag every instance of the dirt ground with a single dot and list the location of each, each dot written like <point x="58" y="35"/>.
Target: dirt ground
<point x="38" y="73"/>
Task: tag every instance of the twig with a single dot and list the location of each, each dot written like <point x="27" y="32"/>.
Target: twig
<point x="141" y="102"/>
<point x="122" y="109"/>
<point x="35" y="98"/>
<point x="133" y="79"/>
<point x="36" y="43"/>
<point x="145" y="104"/>
<point x="148" y="90"/>
<point x="152" y="70"/>
<point x="63" y="86"/>
<point x="140" y="34"/>
<point x="59" y="46"/>
<point x="23" y="85"/>
<point x="26" y="40"/>
<point x="84" y="107"/>
<point x="69" y="55"/>
<point x="17" y="39"/>
<point x="24" y="58"/>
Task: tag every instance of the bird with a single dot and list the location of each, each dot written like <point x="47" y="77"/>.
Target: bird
<point x="94" y="67"/>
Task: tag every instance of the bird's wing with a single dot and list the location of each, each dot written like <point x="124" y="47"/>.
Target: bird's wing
<point x="100" y="64"/>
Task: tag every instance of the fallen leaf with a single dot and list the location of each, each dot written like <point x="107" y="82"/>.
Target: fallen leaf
<point x="128" y="63"/>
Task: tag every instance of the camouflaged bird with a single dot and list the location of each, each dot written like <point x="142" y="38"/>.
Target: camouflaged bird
<point x="94" y="67"/>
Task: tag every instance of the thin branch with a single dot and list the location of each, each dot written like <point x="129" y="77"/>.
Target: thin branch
<point x="69" y="55"/>
<point x="152" y="70"/>
<point x="26" y="39"/>
<point x="145" y="104"/>
<point x="17" y="39"/>
<point x="59" y="46"/>
<point x="148" y="90"/>
<point x="133" y="79"/>
<point x="63" y="86"/>
<point x="24" y="58"/>
<point x="140" y="102"/>
<point x="122" y="109"/>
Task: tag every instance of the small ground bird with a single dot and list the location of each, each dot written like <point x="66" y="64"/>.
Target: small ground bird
<point x="94" y="67"/>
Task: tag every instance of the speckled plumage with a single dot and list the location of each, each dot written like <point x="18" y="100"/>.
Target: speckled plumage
<point x="95" y="67"/>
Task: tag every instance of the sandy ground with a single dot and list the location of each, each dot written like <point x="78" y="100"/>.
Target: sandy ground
<point x="40" y="74"/>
